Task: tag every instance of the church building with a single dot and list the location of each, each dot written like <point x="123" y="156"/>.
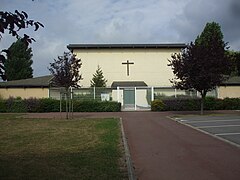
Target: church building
<point x="131" y="70"/>
<point x="127" y="64"/>
<point x="136" y="74"/>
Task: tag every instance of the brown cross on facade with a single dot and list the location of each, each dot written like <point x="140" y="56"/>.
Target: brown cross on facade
<point x="127" y="63"/>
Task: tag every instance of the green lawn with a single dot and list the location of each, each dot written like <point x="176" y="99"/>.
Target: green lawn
<point x="60" y="149"/>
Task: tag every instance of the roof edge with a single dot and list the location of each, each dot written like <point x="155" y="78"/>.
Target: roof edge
<point x="125" y="46"/>
<point x="23" y="86"/>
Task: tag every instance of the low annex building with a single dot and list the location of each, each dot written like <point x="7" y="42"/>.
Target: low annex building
<point x="230" y="88"/>
<point x="26" y="88"/>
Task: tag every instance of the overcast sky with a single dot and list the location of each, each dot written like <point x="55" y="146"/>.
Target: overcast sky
<point x="120" y="21"/>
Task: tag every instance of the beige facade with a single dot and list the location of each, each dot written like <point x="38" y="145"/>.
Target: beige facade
<point x="24" y="93"/>
<point x="150" y="65"/>
<point x="228" y="91"/>
<point x="132" y="68"/>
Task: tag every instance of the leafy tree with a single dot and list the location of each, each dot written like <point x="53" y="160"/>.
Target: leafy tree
<point x="98" y="79"/>
<point x="19" y="61"/>
<point x="234" y="57"/>
<point x="12" y="23"/>
<point x="237" y="55"/>
<point x="65" y="71"/>
<point x="201" y="65"/>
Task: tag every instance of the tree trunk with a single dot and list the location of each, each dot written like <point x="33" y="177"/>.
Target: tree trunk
<point x="202" y="105"/>
<point x="71" y="100"/>
<point x="66" y="103"/>
<point x="60" y="105"/>
<point x="203" y="94"/>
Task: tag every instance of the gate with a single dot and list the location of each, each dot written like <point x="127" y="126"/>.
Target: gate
<point x="135" y="98"/>
<point x="128" y="98"/>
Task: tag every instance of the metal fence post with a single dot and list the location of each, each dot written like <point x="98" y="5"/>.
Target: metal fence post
<point x="135" y="106"/>
<point x="152" y="93"/>
<point x="118" y="94"/>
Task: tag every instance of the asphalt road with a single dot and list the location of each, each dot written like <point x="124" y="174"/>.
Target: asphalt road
<point x="226" y="127"/>
<point x="165" y="149"/>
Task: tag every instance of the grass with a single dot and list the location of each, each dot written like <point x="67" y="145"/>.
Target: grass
<point x="60" y="149"/>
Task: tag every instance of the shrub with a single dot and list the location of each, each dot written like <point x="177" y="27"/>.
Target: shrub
<point x="96" y="106"/>
<point x="32" y="104"/>
<point x="3" y="106"/>
<point x="176" y="104"/>
<point x="179" y="104"/>
<point x="15" y="105"/>
<point x="53" y="105"/>
<point x="193" y="104"/>
<point x="157" y="105"/>
<point x="48" y="105"/>
<point x="231" y="103"/>
<point x="211" y="103"/>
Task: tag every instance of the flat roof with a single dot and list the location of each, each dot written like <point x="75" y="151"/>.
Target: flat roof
<point x="125" y="46"/>
<point x="128" y="84"/>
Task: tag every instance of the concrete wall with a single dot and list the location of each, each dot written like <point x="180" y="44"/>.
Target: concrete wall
<point x="229" y="91"/>
<point x="150" y="65"/>
<point x="24" y="93"/>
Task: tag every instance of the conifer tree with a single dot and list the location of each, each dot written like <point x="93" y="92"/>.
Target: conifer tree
<point x="12" y="23"/>
<point x="19" y="61"/>
<point x="98" y="79"/>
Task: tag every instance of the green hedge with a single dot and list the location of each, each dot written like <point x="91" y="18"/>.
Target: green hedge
<point x="96" y="106"/>
<point x="183" y="104"/>
<point x="53" y="105"/>
<point x="157" y="105"/>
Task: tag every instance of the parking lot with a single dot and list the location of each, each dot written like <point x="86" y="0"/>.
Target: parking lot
<point x="225" y="127"/>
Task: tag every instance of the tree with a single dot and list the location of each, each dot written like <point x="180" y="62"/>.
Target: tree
<point x="98" y="79"/>
<point x="237" y="55"/>
<point x="201" y="65"/>
<point x="13" y="23"/>
<point x="234" y="57"/>
<point x="65" y="71"/>
<point x="19" y="61"/>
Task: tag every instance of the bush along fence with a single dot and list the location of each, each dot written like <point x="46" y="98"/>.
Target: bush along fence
<point x="183" y="104"/>
<point x="18" y="105"/>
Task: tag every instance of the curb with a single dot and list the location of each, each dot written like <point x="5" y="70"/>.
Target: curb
<point x="131" y="175"/>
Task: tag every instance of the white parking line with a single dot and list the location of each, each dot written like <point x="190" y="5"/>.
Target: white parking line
<point x="227" y="134"/>
<point x="218" y="120"/>
<point x="217" y="126"/>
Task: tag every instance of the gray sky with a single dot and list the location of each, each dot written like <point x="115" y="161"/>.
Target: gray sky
<point x="120" y="21"/>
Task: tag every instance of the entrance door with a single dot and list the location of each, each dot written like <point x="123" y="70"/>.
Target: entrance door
<point x="129" y="97"/>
